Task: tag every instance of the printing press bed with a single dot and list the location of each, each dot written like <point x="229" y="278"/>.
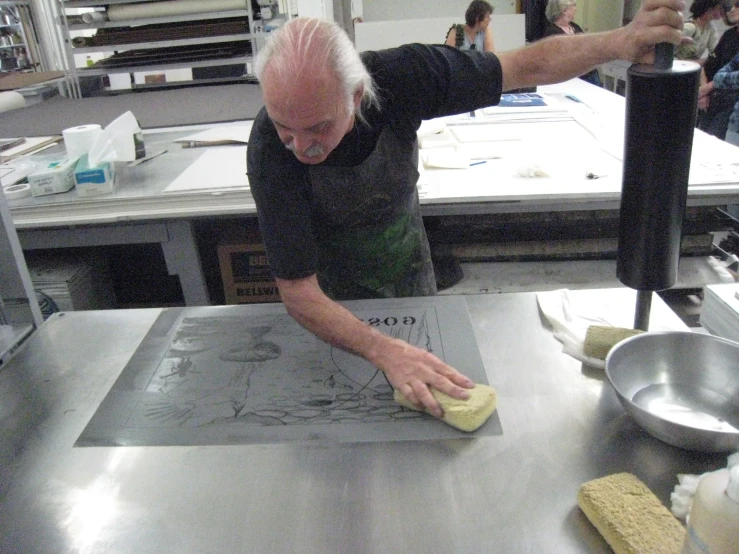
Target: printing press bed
<point x="511" y="489"/>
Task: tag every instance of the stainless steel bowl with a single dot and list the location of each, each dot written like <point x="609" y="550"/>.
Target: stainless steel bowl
<point x="681" y="387"/>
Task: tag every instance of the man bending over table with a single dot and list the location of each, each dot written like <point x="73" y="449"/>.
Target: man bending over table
<point x="333" y="160"/>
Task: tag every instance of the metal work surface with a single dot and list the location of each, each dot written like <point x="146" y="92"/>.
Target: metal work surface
<point x="251" y="374"/>
<point x="511" y="493"/>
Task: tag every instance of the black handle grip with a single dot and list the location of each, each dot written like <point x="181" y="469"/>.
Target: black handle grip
<point x="664" y="52"/>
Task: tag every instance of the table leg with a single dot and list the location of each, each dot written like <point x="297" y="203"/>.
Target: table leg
<point x="182" y="259"/>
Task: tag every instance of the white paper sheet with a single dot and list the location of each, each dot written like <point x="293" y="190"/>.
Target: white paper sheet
<point x="32" y="144"/>
<point x="217" y="168"/>
<point x="235" y="133"/>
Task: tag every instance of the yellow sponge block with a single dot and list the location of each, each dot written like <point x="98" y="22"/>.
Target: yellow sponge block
<point x="629" y="516"/>
<point x="466" y="415"/>
<point x="599" y="339"/>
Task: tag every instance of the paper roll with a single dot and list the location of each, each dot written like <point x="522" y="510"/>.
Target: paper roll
<point x="10" y="100"/>
<point x="17" y="191"/>
<point x="79" y="140"/>
<point x="94" y="17"/>
<point x="121" y="12"/>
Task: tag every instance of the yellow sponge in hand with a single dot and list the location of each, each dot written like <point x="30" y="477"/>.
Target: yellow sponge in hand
<point x="466" y="415"/>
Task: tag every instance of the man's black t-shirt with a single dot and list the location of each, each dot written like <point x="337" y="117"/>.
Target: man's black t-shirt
<point x="413" y="82"/>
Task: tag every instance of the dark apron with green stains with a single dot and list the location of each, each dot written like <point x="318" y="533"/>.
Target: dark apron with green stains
<point x="371" y="239"/>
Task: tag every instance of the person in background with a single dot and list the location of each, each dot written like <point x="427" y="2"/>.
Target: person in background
<point x="475" y="34"/>
<point x="727" y="78"/>
<point x="333" y="167"/>
<point x="715" y="105"/>
<point x="560" y="21"/>
<point x="699" y="28"/>
<point x="536" y="20"/>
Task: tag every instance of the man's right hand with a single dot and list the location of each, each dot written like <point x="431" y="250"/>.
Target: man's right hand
<point x="414" y="372"/>
<point x="656" y="21"/>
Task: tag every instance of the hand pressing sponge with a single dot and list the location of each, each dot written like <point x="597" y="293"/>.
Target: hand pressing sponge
<point x="466" y="415"/>
<point x="630" y="517"/>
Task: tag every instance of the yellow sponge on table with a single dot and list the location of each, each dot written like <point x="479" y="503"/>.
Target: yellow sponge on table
<point x="466" y="415"/>
<point x="599" y="339"/>
<point x="630" y="517"/>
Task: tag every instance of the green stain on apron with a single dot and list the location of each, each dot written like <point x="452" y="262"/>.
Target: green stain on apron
<point x="372" y="243"/>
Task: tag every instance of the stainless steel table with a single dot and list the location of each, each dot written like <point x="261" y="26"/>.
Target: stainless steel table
<point x="562" y="426"/>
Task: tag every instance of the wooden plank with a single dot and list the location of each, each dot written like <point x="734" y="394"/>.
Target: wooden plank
<point x="13" y="81"/>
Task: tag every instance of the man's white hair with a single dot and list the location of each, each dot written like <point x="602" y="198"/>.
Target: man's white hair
<point x="304" y="43"/>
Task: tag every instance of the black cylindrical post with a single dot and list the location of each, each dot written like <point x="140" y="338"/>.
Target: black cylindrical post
<point x="643" y="308"/>
<point x="661" y="104"/>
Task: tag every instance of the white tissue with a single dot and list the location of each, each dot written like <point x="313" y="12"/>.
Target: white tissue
<point x="531" y="171"/>
<point x="721" y="268"/>
<point x="570" y="313"/>
<point x="116" y="143"/>
<point x="682" y="496"/>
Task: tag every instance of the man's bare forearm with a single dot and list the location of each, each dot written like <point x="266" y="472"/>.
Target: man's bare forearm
<point x="560" y="58"/>
<point x="329" y="320"/>
<point x="555" y="59"/>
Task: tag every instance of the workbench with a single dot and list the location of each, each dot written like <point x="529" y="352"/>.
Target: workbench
<point x="142" y="210"/>
<point x="516" y="492"/>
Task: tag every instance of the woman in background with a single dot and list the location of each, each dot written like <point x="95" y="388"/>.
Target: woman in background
<point x="699" y="28"/>
<point x="727" y="78"/>
<point x="560" y="21"/>
<point x="714" y="104"/>
<point x="475" y="34"/>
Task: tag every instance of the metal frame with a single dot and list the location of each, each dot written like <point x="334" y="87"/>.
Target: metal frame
<point x="15" y="284"/>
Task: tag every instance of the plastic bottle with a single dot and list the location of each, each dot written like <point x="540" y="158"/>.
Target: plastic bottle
<point x="713" y="525"/>
<point x="89" y="62"/>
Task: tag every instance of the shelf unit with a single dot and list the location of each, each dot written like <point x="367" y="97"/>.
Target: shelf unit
<point x="154" y="54"/>
<point x="15" y="47"/>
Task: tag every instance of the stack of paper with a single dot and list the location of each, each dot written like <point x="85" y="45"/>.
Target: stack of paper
<point x="720" y="310"/>
<point x="72" y="282"/>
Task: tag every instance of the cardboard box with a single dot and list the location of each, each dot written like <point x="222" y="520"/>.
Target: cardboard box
<point x="54" y="177"/>
<point x="92" y="181"/>
<point x="245" y="273"/>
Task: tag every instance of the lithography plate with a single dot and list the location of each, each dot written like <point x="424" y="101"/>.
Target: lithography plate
<point x="250" y="374"/>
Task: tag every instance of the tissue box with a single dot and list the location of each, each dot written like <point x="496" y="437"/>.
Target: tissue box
<point x="54" y="177"/>
<point x="93" y="180"/>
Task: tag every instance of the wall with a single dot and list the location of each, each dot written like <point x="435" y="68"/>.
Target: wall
<point x="599" y="15"/>
<point x="508" y="32"/>
<point x="388" y="10"/>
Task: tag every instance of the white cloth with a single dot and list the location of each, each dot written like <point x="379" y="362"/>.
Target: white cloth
<point x="682" y="496"/>
<point x="570" y="313"/>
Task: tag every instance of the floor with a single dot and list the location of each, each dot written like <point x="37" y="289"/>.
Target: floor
<point x="504" y="277"/>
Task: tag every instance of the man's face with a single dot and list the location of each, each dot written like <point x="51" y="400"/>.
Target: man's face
<point x="310" y="113"/>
